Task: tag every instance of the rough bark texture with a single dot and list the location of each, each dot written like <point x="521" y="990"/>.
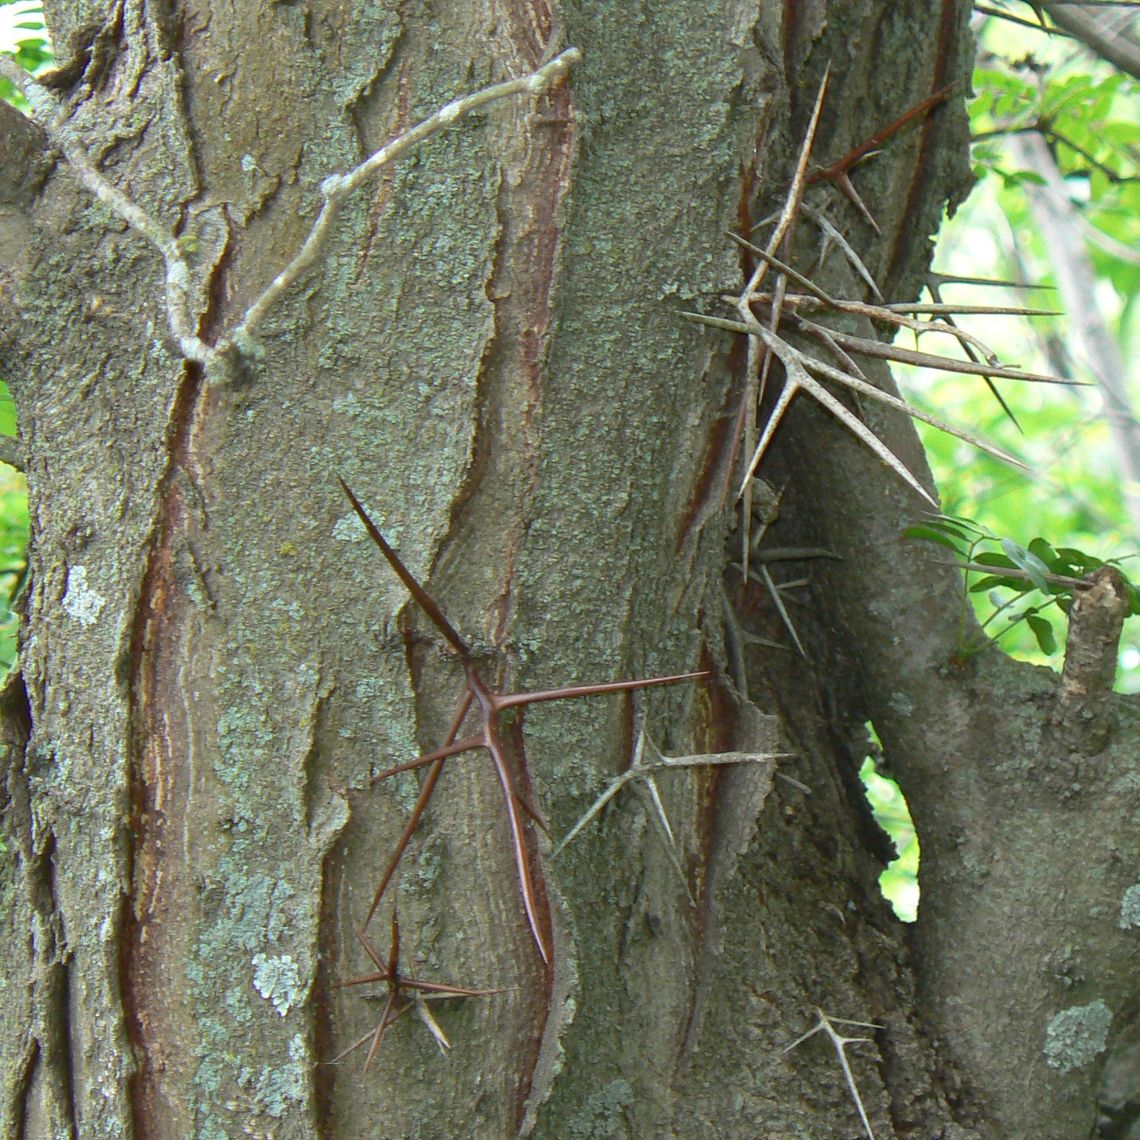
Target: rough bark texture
<point x="215" y="662"/>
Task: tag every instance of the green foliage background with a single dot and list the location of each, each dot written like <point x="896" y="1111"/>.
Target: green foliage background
<point x="1089" y="113"/>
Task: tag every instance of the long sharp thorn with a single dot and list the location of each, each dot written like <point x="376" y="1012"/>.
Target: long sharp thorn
<point x="351" y="1049"/>
<point x="865" y="347"/>
<point x="433" y="1027"/>
<point x="518" y="842"/>
<point x="796" y="190"/>
<point x="843" y="181"/>
<point x="418" y="809"/>
<point x="423" y="599"/>
<point x="855" y="260"/>
<point x="950" y="279"/>
<point x="715" y="322"/>
<point x="459" y="746"/>
<point x="655" y="796"/>
<point x="784" y="267"/>
<point x="871" y="145"/>
<point x="371" y="951"/>
<point x="595" y="808"/>
<point x="513" y="700"/>
<point x="394" y="950"/>
<point x="935" y="293"/>
<point x="533" y="812"/>
<point x="941" y="308"/>
<point x="378" y="1036"/>
<point x="444" y="990"/>
<point x="785" y="617"/>
<point x="791" y="387"/>
<point x="898" y="405"/>
<point x="864" y="433"/>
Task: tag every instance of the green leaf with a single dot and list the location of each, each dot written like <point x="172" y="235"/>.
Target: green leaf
<point x="1074" y="563"/>
<point x="1030" y="563"/>
<point x="1043" y="631"/>
<point x="931" y="534"/>
<point x="992" y="558"/>
<point x="1023" y="178"/>
<point x="966" y="527"/>
<point x="1133" y="599"/>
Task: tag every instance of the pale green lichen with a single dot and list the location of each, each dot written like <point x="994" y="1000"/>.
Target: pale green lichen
<point x="348" y="528"/>
<point x="603" y="1114"/>
<point x="1077" y="1035"/>
<point x="1130" y="908"/>
<point x="276" y="1089"/>
<point x="278" y="980"/>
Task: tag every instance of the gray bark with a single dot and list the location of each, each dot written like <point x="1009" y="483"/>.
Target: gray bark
<point x="215" y="663"/>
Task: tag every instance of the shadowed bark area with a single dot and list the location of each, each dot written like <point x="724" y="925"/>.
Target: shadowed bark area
<point x="216" y="661"/>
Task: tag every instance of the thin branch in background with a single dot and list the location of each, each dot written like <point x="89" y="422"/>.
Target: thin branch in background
<point x="219" y="360"/>
<point x="1056" y="220"/>
<point x="1111" y="175"/>
<point x="1010" y="18"/>
<point x="1051" y="133"/>
<point x="1089" y="26"/>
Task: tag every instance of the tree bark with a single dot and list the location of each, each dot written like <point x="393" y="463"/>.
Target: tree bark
<point x="215" y="662"/>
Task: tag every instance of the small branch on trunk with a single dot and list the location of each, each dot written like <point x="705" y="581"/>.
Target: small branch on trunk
<point x="220" y="361"/>
<point x="1096" y="618"/>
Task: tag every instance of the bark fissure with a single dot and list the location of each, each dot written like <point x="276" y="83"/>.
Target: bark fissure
<point x="157" y="810"/>
<point x="923" y="185"/>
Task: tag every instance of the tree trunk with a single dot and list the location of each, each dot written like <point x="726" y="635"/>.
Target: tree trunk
<point x="216" y="662"/>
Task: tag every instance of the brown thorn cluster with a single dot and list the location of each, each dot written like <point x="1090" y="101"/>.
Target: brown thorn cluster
<point x="489" y="706"/>
<point x="396" y="1002"/>
<point x="840" y="172"/>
